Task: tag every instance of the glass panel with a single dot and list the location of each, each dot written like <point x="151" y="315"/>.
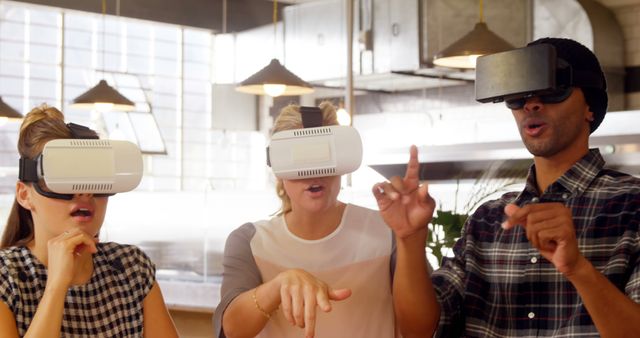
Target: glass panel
<point x="11" y="86"/>
<point x="167" y="33"/>
<point x="12" y="51"/>
<point x="78" y="21"/>
<point x="79" y="58"/>
<point x="10" y="68"/>
<point x="44" y="54"/>
<point x="118" y="126"/>
<point x="196" y="37"/>
<point x="196" y="54"/>
<point x="139" y="47"/>
<point x="197" y="87"/>
<point x="78" y="39"/>
<point x="42" y="88"/>
<point x="12" y="31"/>
<point x="198" y="71"/>
<point x="44" y="16"/>
<point x="44" y="35"/>
<point x="145" y="125"/>
<point x="166" y="67"/>
<point x="138" y="29"/>
<point x="44" y="72"/>
<point x="166" y="50"/>
<point x="13" y="12"/>
<point x="139" y="65"/>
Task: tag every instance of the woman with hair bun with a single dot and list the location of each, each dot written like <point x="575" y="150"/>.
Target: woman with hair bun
<point x="56" y="278"/>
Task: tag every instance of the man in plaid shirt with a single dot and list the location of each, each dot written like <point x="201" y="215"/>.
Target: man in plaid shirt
<point x="560" y="258"/>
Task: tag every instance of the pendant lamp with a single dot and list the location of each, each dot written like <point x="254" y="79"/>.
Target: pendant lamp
<point x="6" y="111"/>
<point x="464" y="52"/>
<point x="103" y="97"/>
<point x="274" y="79"/>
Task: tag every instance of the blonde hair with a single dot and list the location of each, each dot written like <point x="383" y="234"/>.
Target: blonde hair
<point x="40" y="125"/>
<point x="290" y="118"/>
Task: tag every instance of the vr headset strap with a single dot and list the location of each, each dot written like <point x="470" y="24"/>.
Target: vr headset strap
<point x="28" y="168"/>
<point x="311" y="117"/>
<point x="82" y="132"/>
<point x="28" y="171"/>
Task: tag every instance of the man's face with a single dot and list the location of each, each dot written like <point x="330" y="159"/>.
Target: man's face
<point x="548" y="129"/>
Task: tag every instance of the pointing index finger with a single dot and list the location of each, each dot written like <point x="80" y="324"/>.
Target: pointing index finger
<point x="411" y="176"/>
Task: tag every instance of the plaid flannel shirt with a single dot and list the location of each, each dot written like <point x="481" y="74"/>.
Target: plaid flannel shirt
<point x="498" y="285"/>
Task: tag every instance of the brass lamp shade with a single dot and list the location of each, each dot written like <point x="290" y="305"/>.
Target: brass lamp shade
<point x="8" y="112"/>
<point x="274" y="76"/>
<point x="464" y="52"/>
<point x="103" y="97"/>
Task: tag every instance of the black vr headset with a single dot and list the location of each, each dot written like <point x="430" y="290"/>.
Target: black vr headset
<point x="515" y="75"/>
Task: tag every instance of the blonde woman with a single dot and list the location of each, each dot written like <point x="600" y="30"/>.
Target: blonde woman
<point x="320" y="268"/>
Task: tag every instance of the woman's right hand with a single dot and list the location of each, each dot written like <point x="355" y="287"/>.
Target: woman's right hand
<point x="64" y="253"/>
<point x="300" y="293"/>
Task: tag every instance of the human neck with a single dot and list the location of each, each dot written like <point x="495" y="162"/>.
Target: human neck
<point x="314" y="225"/>
<point x="549" y="169"/>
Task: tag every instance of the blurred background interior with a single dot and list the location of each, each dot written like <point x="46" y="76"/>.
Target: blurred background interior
<point x="179" y="62"/>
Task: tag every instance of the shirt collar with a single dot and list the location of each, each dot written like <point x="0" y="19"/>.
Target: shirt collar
<point x="575" y="180"/>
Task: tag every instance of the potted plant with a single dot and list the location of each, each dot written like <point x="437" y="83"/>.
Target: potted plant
<point x="446" y="225"/>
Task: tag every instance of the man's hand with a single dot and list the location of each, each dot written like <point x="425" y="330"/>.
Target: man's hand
<point x="404" y="204"/>
<point x="550" y="229"/>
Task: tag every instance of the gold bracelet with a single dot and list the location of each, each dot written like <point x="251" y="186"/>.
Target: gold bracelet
<point x="255" y="301"/>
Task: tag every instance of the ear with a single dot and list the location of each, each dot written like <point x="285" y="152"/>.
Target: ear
<point x="23" y="195"/>
<point x="589" y="115"/>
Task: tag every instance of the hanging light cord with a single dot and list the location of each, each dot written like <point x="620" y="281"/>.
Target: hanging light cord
<point x="480" y="10"/>
<point x="275" y="20"/>
<point x="104" y="37"/>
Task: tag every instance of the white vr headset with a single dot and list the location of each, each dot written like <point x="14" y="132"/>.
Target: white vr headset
<point x="76" y="166"/>
<point x="314" y="151"/>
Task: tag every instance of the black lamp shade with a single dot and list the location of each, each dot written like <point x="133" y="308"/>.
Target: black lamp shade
<point x="274" y="74"/>
<point x="103" y="94"/>
<point x="463" y="53"/>
<point x="7" y="111"/>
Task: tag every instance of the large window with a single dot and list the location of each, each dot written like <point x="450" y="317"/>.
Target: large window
<point x="199" y="178"/>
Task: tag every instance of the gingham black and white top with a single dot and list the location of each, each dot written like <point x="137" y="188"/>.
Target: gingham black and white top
<point x="109" y="305"/>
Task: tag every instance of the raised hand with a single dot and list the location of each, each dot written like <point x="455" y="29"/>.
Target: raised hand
<point x="550" y="229"/>
<point x="301" y="293"/>
<point x="64" y="252"/>
<point x="404" y="204"/>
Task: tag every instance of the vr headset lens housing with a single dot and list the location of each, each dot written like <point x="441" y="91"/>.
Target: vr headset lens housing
<point x="315" y="152"/>
<point x="516" y="75"/>
<point x="78" y="166"/>
<point x="556" y="96"/>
